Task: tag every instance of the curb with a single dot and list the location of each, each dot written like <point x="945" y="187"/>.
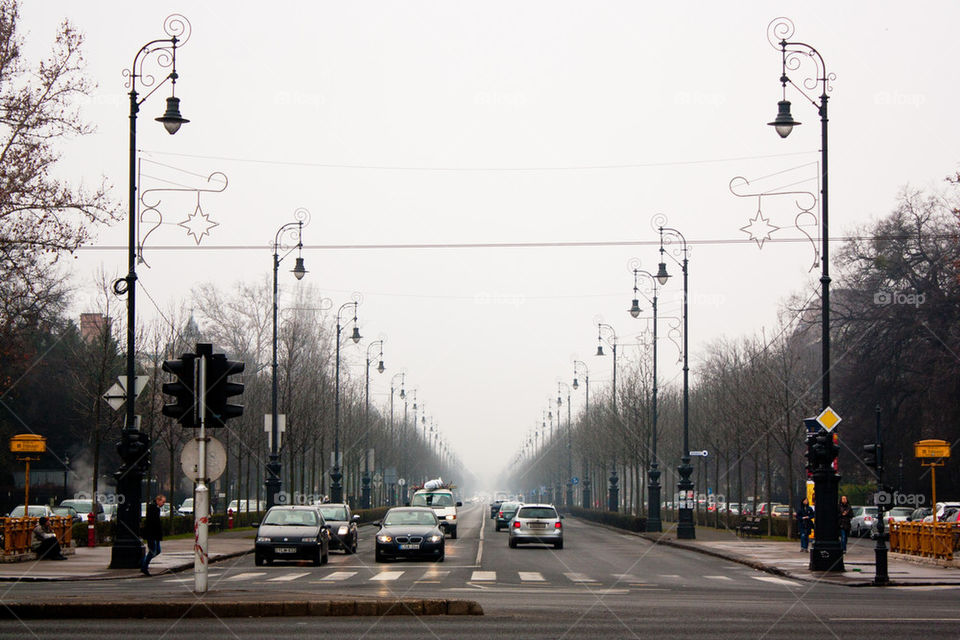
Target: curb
<point x="240" y="608"/>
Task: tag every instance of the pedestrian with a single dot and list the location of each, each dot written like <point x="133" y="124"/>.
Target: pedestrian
<point x="152" y="532"/>
<point x="804" y="523"/>
<point x="846" y="515"/>
<point x="45" y="543"/>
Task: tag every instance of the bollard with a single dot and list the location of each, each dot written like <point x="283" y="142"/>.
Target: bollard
<point x="229" y="518"/>
<point x="91" y="530"/>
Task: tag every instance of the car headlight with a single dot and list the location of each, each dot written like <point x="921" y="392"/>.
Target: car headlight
<point x="434" y="538"/>
<point x="262" y="539"/>
<point x="451" y="517"/>
<point x="384" y="538"/>
<point x="342" y="531"/>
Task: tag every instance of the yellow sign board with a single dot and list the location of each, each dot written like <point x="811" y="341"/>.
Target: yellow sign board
<point x="932" y="449"/>
<point x="28" y="443"/>
<point x="828" y="419"/>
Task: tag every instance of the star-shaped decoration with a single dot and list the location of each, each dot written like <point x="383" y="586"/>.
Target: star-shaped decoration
<point x="198" y="224"/>
<point x="759" y="229"/>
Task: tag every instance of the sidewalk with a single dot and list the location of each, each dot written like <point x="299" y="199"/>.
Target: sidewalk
<point x="786" y="559"/>
<point x="93" y="563"/>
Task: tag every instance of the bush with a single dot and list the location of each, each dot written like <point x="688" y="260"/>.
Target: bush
<point x="612" y="518"/>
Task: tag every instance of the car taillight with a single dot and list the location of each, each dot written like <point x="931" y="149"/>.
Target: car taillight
<point x="500" y="515"/>
<point x="557" y="525"/>
<point x="516" y="525"/>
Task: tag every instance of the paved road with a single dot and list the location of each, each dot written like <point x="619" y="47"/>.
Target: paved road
<point x="607" y="583"/>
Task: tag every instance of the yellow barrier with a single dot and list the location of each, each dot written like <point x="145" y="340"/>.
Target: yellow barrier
<point x="18" y="532"/>
<point x="925" y="539"/>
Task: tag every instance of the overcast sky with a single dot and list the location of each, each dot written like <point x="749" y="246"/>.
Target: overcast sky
<point x="504" y="122"/>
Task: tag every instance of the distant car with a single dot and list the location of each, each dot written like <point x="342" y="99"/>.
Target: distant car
<point x="863" y="520"/>
<point x="896" y="514"/>
<point x="85" y="507"/>
<point x="505" y="514"/>
<point x="919" y="514"/>
<point x="941" y="510"/>
<point x="409" y="532"/>
<point x="293" y="532"/>
<point x="164" y="510"/>
<point x="35" y="511"/>
<point x="343" y="526"/>
<point x="951" y="515"/>
<point x="109" y="512"/>
<point x="733" y="508"/>
<point x="68" y="512"/>
<point x="781" y="511"/>
<point x="495" y="507"/>
<point x="538" y="523"/>
<point x="186" y="508"/>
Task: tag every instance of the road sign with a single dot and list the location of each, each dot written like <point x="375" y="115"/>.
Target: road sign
<point x="699" y="453"/>
<point x="932" y="449"/>
<point x="28" y="443"/>
<point x="377" y="477"/>
<point x="268" y="429"/>
<point x="117" y="394"/>
<point x="829" y="419"/>
<point x="574" y="480"/>
<point x="216" y="459"/>
<point x="401" y="481"/>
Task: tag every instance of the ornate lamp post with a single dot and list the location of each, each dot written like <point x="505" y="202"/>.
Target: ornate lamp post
<point x="403" y="394"/>
<point x="134" y="445"/>
<point x="586" y="493"/>
<point x="560" y="386"/>
<point x="336" y="489"/>
<point x="365" y="490"/>
<point x="653" y="485"/>
<point x="685" y="526"/>
<point x="613" y="491"/>
<point x="827" y="554"/>
<point x="291" y="229"/>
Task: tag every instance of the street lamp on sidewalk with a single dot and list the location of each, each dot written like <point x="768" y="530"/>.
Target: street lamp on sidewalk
<point x="613" y="492"/>
<point x="393" y="447"/>
<point x="336" y="488"/>
<point x="365" y="490"/>
<point x="586" y="493"/>
<point x="560" y="386"/>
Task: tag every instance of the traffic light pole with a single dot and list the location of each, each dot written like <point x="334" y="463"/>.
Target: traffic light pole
<point x="881" y="577"/>
<point x="201" y="505"/>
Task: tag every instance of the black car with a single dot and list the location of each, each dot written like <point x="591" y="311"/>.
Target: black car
<point x="505" y="514"/>
<point x="495" y="507"/>
<point x="292" y="533"/>
<point x="409" y="532"/>
<point x="343" y="526"/>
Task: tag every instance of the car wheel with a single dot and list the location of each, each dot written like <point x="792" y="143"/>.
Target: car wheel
<point x="352" y="549"/>
<point x="318" y="558"/>
<point x="558" y="544"/>
<point x="512" y="543"/>
<point x="453" y="533"/>
<point x="497" y="526"/>
<point x="377" y="556"/>
<point x="258" y="560"/>
<point x="441" y="556"/>
<point x="325" y="558"/>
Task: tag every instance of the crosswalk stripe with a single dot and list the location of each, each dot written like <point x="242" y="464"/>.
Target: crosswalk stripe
<point x="246" y="576"/>
<point x="483" y="575"/>
<point x="531" y="576"/>
<point x="718" y="577"/>
<point x="339" y="575"/>
<point x="288" y="578"/>
<point x="789" y="583"/>
<point x="387" y="575"/>
<point x="579" y="577"/>
<point x="669" y="575"/>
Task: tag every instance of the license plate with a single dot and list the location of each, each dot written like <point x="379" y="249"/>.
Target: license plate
<point x="409" y="547"/>
<point x="538" y="525"/>
<point x="285" y="550"/>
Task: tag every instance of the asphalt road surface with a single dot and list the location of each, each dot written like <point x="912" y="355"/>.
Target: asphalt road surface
<point x="603" y="583"/>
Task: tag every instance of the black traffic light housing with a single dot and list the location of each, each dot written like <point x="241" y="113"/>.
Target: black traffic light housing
<point x="811" y="460"/>
<point x="873" y="455"/>
<point x="220" y="390"/>
<point x="184" y="406"/>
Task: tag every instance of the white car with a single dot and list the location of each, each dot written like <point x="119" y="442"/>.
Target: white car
<point x="443" y="505"/>
<point x="864" y="518"/>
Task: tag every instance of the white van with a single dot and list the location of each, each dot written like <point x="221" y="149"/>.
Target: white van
<point x="443" y="505"/>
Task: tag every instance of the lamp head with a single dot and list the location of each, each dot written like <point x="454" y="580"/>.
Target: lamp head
<point x="784" y="122"/>
<point x="635" y="308"/>
<point x="662" y="275"/>
<point x="299" y="270"/>
<point x="403" y="393"/>
<point x="600" y="350"/>
<point x="356" y="334"/>
<point x="171" y="118"/>
<point x="380" y="367"/>
<point x="576" y="385"/>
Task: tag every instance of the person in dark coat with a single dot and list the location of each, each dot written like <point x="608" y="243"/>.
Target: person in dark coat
<point x="45" y="543"/>
<point x="152" y="533"/>
<point x="805" y="523"/>
<point x="845" y="513"/>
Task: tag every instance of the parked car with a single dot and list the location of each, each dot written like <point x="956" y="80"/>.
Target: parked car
<point x="919" y="514"/>
<point x="186" y="508"/>
<point x="110" y="512"/>
<point x="505" y="514"/>
<point x="84" y="507"/>
<point x="896" y="514"/>
<point x="35" y="511"/>
<point x="733" y="508"/>
<point x="68" y="512"/>
<point x="941" y="510"/>
<point x="950" y="515"/>
<point x="164" y="510"/>
<point x="409" y="532"/>
<point x="863" y="520"/>
<point x="343" y="526"/>
<point x="536" y="523"/>
<point x="292" y="532"/>
<point x="781" y="511"/>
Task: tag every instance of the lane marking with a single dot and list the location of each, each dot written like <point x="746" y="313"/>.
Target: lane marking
<point x="483" y="524"/>
<point x="288" y="578"/>
<point x="579" y="577"/>
<point x="483" y="575"/>
<point x="774" y="580"/>
<point x="719" y="577"/>
<point x="387" y="575"/>
<point x="669" y="575"/>
<point x="246" y="576"/>
<point x="339" y="575"/>
<point x="531" y="576"/>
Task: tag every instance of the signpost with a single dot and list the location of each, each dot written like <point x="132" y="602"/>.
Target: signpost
<point x="23" y="445"/>
<point x="932" y="453"/>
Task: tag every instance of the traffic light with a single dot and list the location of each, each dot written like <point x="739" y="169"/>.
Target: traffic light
<point x="220" y="390"/>
<point x="183" y="408"/>
<point x="873" y="455"/>
<point x="811" y="460"/>
<point x="134" y="449"/>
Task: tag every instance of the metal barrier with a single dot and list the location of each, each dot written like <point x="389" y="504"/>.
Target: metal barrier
<point x="18" y="532"/>
<point x="925" y="539"/>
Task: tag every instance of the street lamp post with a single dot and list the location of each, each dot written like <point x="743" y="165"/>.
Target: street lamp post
<point x="586" y="493"/>
<point x="134" y="445"/>
<point x="336" y="488"/>
<point x="365" y="489"/>
<point x="290" y="229"/>
<point x="560" y="386"/>
<point x="685" y="526"/>
<point x="653" y="485"/>
<point x="403" y="394"/>
<point x="827" y="553"/>
<point x="613" y="491"/>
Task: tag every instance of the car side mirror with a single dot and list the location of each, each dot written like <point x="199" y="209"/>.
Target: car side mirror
<point x="561" y="516"/>
<point x="255" y="525"/>
<point x="326" y="525"/>
<point x="355" y="518"/>
<point x="459" y="504"/>
<point x="376" y="523"/>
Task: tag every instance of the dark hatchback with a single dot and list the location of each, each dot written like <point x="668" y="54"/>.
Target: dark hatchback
<point x="292" y="533"/>
<point x="495" y="507"/>
<point x="409" y="532"/>
<point x="505" y="514"/>
<point x="343" y="526"/>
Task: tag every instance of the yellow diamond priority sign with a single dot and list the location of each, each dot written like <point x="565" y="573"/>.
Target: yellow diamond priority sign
<point x="828" y="419"/>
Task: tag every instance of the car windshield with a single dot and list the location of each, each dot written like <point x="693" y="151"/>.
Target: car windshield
<point x="537" y="512"/>
<point x="432" y="500"/>
<point x="900" y="511"/>
<point x="35" y="511"/>
<point x="509" y="507"/>
<point x="291" y="518"/>
<point x="82" y="506"/>
<point x="187" y="503"/>
<point x="334" y="513"/>
<point x="399" y="518"/>
<point x="869" y="511"/>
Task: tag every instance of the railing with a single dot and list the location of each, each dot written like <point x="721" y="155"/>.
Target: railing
<point x="18" y="532"/>
<point x="925" y="539"/>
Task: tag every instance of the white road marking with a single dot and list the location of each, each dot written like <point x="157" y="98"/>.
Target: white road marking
<point x="483" y="524"/>
<point x="579" y="577"/>
<point x="718" y="577"/>
<point x="387" y="575"/>
<point x="247" y="576"/>
<point x="339" y="575"/>
<point x="483" y="575"/>
<point x="531" y="576"/>
<point x="669" y="575"/>
<point x="289" y="577"/>
<point x="772" y="579"/>
<point x="433" y="575"/>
